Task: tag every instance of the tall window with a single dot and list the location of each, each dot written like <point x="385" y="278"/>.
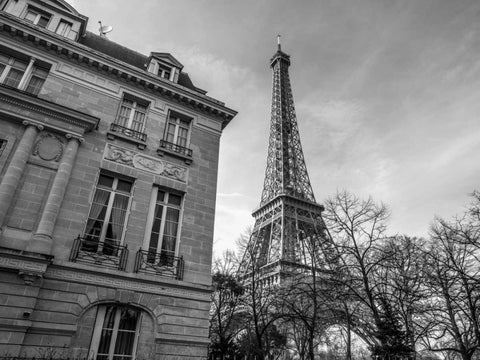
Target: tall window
<point x="164" y="218"/>
<point x="115" y="336"/>
<point x="108" y="213"/>
<point x="18" y="74"/>
<point x="132" y="113"/>
<point x="177" y="130"/>
<point x="37" y="17"/>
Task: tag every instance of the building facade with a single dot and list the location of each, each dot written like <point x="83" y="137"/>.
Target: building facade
<point x="108" y="173"/>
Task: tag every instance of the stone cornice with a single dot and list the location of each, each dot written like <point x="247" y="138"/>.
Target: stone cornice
<point x="74" y="51"/>
<point x="29" y="104"/>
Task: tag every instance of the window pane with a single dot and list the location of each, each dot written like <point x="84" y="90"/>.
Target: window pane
<point x="34" y="85"/>
<point x="124" y="185"/>
<point x="115" y="225"/>
<point x="13" y="78"/>
<point x="171" y="133"/>
<point x="30" y="16"/>
<point x="105" y="181"/>
<point x="174" y="199"/>
<point x="160" y="195"/>
<point x="2" y="67"/>
<point x="96" y="220"/>
<point x="43" y="21"/>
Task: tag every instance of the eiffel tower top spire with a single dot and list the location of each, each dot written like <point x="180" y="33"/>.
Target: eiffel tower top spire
<point x="286" y="173"/>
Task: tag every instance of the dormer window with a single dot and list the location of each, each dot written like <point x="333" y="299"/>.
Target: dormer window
<point x="165" y="66"/>
<point x="37" y="17"/>
<point x="164" y="71"/>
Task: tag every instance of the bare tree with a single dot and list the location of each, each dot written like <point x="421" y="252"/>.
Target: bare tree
<point x="453" y="314"/>
<point x="359" y="230"/>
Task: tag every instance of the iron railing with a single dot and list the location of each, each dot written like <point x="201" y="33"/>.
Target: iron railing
<point x="161" y="264"/>
<point x="128" y="132"/>
<point x="176" y="148"/>
<point x="105" y="254"/>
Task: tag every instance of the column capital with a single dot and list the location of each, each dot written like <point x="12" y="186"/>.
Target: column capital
<point x="40" y="127"/>
<point x="79" y="138"/>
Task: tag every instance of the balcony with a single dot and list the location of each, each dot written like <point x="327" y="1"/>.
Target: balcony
<point x="159" y="264"/>
<point x="97" y="253"/>
<point x="176" y="150"/>
<point x="127" y="134"/>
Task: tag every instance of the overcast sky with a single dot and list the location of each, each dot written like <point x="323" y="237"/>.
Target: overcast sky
<point x="387" y="94"/>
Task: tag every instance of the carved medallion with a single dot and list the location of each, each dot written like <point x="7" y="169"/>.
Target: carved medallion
<point x="48" y="147"/>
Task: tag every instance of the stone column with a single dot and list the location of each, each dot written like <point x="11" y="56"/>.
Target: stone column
<point x="16" y="167"/>
<point x="42" y="239"/>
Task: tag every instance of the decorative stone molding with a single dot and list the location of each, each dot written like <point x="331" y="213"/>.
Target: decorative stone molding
<point x="30" y="266"/>
<point x="124" y="283"/>
<point x="48" y="147"/>
<point x="146" y="163"/>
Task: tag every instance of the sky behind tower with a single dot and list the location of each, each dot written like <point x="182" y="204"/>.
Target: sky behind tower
<point x="387" y="94"/>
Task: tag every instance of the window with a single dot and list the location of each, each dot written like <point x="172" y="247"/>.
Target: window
<point x="21" y="74"/>
<point x="164" y="71"/>
<point x="115" y="336"/>
<point x="108" y="214"/>
<point x="163" y="225"/>
<point x="177" y="129"/>
<point x="64" y="28"/>
<point x="132" y="113"/>
<point x="37" y="17"/>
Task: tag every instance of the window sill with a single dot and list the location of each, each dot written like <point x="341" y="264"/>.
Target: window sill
<point x="111" y="135"/>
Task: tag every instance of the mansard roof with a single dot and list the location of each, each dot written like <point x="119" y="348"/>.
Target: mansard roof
<point x="132" y="57"/>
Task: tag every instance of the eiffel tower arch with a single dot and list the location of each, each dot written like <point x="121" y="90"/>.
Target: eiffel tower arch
<point x="289" y="234"/>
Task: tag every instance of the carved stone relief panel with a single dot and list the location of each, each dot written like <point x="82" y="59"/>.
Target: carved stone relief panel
<point x="146" y="163"/>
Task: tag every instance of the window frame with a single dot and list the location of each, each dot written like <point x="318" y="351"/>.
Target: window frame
<point x="151" y="216"/>
<point x="163" y="70"/>
<point x="179" y="118"/>
<point x="113" y="190"/>
<point x="99" y="325"/>
<point x="38" y="15"/>
<point x="30" y="71"/>
<point x="133" y="110"/>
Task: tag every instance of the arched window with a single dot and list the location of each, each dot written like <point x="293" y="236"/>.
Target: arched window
<point x="116" y="332"/>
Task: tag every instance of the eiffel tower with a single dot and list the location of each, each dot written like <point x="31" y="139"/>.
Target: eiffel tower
<point x="289" y="234"/>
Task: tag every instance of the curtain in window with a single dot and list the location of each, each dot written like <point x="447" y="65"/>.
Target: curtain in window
<point x="125" y="111"/>
<point x="170" y="232"/>
<point x="116" y="223"/>
<point x="126" y="333"/>
<point x="96" y="219"/>
<point x="138" y="120"/>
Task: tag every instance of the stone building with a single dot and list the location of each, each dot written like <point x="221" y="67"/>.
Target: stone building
<point x="108" y="173"/>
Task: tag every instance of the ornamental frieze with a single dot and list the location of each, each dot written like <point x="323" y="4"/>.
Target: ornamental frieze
<point x="146" y="163"/>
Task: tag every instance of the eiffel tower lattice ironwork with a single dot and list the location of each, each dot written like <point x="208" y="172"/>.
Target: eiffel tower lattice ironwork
<point x="289" y="233"/>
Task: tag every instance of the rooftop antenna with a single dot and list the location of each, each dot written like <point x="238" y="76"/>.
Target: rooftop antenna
<point x="104" y="30"/>
<point x="278" y="43"/>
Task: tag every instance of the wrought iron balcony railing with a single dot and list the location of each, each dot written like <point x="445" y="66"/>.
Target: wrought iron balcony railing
<point x="161" y="264"/>
<point x="105" y="254"/>
<point x="128" y="132"/>
<point x="176" y="148"/>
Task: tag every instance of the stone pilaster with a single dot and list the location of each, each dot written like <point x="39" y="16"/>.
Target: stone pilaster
<point x="16" y="168"/>
<point x="42" y="239"/>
